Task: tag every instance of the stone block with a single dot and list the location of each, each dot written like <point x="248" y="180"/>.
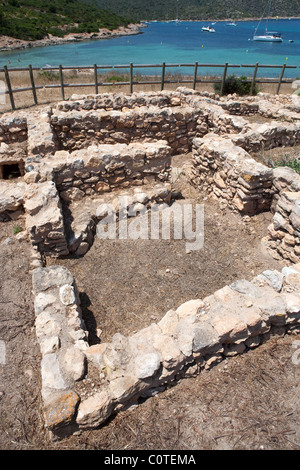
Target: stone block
<point x="61" y="411"/>
<point x="94" y="410"/>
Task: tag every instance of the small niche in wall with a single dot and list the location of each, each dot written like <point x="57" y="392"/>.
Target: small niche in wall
<point x="10" y="171"/>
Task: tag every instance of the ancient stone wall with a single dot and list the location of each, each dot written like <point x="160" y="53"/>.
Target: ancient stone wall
<point x="11" y="199"/>
<point x="13" y="129"/>
<point x="103" y="168"/>
<point x="119" y="101"/>
<point x="81" y="150"/>
<point x="81" y="228"/>
<point x="44" y="219"/>
<point x="283" y="238"/>
<point x="197" y="335"/>
<point x="231" y="174"/>
<point x="177" y="125"/>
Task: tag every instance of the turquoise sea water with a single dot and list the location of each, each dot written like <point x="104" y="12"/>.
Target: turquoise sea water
<point x="173" y="43"/>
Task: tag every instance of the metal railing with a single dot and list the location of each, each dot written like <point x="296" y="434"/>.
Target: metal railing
<point x="163" y="80"/>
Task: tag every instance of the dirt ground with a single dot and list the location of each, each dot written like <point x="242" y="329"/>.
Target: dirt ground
<point x="246" y="402"/>
<point x="127" y="284"/>
<point x="282" y="154"/>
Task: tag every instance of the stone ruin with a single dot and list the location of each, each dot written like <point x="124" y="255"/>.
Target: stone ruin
<point x="57" y="163"/>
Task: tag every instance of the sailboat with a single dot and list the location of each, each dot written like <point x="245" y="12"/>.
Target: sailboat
<point x="208" y="29"/>
<point x="268" y="36"/>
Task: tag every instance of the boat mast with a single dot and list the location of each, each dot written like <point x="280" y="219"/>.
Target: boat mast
<point x="268" y="16"/>
<point x="263" y="17"/>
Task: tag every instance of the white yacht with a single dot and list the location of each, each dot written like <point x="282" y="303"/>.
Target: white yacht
<point x="208" y="29"/>
<point x="267" y="36"/>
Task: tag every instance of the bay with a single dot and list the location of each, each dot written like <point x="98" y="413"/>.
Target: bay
<point x="176" y="43"/>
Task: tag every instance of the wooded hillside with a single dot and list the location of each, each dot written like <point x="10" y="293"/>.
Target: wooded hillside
<point x="35" y="19"/>
<point x="197" y="9"/>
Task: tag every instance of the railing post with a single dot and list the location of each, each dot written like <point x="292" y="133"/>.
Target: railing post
<point x="61" y="77"/>
<point x="224" y="78"/>
<point x="10" y="91"/>
<point x="280" y="78"/>
<point x="131" y="78"/>
<point x="195" y="75"/>
<point x="96" y="78"/>
<point x="163" y="72"/>
<point x="253" y="79"/>
<point x="32" y="84"/>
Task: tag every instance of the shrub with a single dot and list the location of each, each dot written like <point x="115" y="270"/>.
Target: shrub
<point x="289" y="162"/>
<point x="49" y="75"/>
<point x="238" y="85"/>
<point x="118" y="78"/>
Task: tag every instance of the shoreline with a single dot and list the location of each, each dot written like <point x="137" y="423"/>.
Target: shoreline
<point x="8" y="43"/>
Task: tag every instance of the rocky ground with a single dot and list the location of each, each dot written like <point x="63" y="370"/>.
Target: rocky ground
<point x="246" y="402"/>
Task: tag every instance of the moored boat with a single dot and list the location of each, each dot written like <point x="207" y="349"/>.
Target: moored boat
<point x="267" y="36"/>
<point x="208" y="29"/>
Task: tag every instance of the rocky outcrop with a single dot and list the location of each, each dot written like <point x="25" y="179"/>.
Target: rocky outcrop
<point x="8" y="43"/>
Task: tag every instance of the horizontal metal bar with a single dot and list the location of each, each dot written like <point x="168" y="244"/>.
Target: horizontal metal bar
<point x="277" y="66"/>
<point x="146" y="82"/>
<point x="16" y="90"/>
<point x="140" y="66"/>
<point x="207" y="80"/>
<point x="209" y="65"/>
<point x="271" y="80"/>
<point x="15" y="69"/>
<point x="68" y="85"/>
<point x="271" y="66"/>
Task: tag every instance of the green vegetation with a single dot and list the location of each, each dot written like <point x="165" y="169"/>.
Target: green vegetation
<point x="117" y="78"/>
<point x="48" y="75"/>
<point x="290" y="162"/>
<point x="35" y="19"/>
<point x="17" y="229"/>
<point x="238" y="85"/>
<point x="196" y="9"/>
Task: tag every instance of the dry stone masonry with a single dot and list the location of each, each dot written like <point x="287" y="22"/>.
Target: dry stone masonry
<point x="177" y="125"/>
<point x="195" y="336"/>
<point x="231" y="174"/>
<point x="59" y="163"/>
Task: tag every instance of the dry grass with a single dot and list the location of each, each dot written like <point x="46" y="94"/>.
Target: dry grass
<point x="49" y="95"/>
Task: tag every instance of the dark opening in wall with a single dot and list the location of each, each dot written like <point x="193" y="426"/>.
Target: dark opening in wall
<point x="10" y="171"/>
